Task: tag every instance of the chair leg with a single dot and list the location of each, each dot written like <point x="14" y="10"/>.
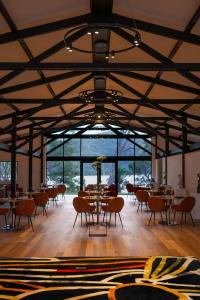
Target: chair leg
<point x="161" y="216"/>
<point x="181" y="219"/>
<point x="6" y="220"/>
<point x="81" y="220"/>
<point x="75" y="220"/>
<point x="86" y="219"/>
<point x="166" y="216"/>
<point x="31" y="223"/>
<point x="35" y="210"/>
<point x="150" y="218"/>
<point x="138" y="207"/>
<point x="154" y="217"/>
<point x="120" y="220"/>
<point x="174" y="216"/>
<point x="104" y="216"/>
<point x="110" y="219"/>
<point x="45" y="211"/>
<point x="115" y="219"/>
<point x="18" y="223"/>
<point x="192" y="219"/>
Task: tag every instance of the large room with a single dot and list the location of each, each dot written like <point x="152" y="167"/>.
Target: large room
<point x="100" y="149"/>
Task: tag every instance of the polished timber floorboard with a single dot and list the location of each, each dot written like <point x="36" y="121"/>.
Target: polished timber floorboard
<point x="55" y="236"/>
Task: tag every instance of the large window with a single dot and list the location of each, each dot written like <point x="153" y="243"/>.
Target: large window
<point x="5" y="171"/>
<point x="97" y="147"/>
<point x="127" y="160"/>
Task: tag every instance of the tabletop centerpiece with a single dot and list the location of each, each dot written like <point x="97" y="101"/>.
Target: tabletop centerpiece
<point x="97" y="165"/>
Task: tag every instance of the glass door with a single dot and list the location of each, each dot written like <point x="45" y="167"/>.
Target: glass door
<point x="90" y="174"/>
<point x="107" y="173"/>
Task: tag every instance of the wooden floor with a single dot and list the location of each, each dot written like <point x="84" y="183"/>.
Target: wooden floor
<point x="55" y="236"/>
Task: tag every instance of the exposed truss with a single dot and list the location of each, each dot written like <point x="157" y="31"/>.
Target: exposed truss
<point x="73" y="109"/>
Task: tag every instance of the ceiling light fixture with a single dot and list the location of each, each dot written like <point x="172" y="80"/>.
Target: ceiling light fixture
<point x="94" y="29"/>
<point x="90" y="96"/>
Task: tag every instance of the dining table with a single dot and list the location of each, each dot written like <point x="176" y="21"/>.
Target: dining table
<point x="98" y="198"/>
<point x="170" y="201"/>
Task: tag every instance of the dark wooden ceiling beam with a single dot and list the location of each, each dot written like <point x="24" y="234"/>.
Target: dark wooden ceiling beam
<point x="100" y="67"/>
<point x="25" y="48"/>
<point x="46" y="129"/>
<point x="38" y="82"/>
<point x="172" y="114"/>
<point x="51" y="103"/>
<point x="44" y="28"/>
<point x="131" y="140"/>
<point x="43" y="55"/>
<point x="162" y="82"/>
<point x="132" y="129"/>
<point x="151" y="128"/>
<point x="89" y="18"/>
<point x="67" y="140"/>
<point x="157" y="55"/>
<point x="77" y="100"/>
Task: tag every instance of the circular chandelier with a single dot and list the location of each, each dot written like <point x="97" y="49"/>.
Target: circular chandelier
<point x="108" y="94"/>
<point x="94" y="30"/>
<point x="99" y="116"/>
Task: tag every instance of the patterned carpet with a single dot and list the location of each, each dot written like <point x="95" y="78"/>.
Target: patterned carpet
<point x="156" y="277"/>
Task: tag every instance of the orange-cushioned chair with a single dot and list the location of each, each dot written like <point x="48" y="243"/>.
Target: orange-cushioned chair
<point x="24" y="208"/>
<point x="157" y="205"/>
<point x="81" y="206"/>
<point x="61" y="190"/>
<point x="115" y="206"/>
<point x="3" y="212"/>
<point x="41" y="199"/>
<point x="52" y="194"/>
<point x="185" y="207"/>
<point x="142" y="197"/>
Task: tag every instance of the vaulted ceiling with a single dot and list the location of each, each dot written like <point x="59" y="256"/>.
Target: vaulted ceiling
<point x="41" y="81"/>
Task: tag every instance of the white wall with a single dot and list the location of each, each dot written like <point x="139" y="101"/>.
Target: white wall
<point x="192" y="167"/>
<point x="22" y="169"/>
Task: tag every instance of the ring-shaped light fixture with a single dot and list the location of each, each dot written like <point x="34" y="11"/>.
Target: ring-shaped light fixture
<point x="94" y="29"/>
<point x="108" y="94"/>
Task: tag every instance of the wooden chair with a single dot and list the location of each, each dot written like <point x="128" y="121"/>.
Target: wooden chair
<point x="41" y="199"/>
<point x="3" y="212"/>
<point x="157" y="205"/>
<point x="185" y="207"/>
<point x="114" y="206"/>
<point x="25" y="208"/>
<point x="81" y="206"/>
<point x="142" y="197"/>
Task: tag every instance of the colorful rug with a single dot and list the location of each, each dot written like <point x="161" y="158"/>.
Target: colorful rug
<point x="152" y="278"/>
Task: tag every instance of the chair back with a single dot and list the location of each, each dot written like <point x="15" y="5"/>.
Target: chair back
<point x="142" y="196"/>
<point x="115" y="205"/>
<point x="52" y="192"/>
<point x="156" y="204"/>
<point x="83" y="194"/>
<point x="187" y="204"/>
<point x="129" y="188"/>
<point x="25" y="207"/>
<point x="61" y="188"/>
<point x="90" y="187"/>
<point x="41" y="198"/>
<point x="81" y="205"/>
